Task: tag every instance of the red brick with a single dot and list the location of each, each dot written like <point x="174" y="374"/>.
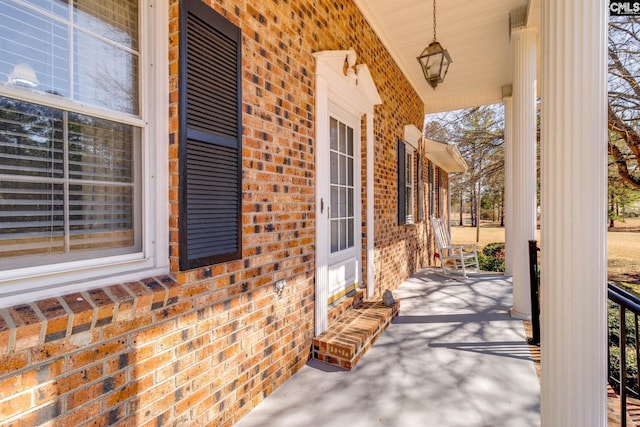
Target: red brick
<point x="158" y="290"/>
<point x="82" y="310"/>
<point x="85" y="416"/>
<point x="158" y="361"/>
<point x="7" y="342"/>
<point x="150" y="333"/>
<point x="29" y="326"/>
<point x="81" y="396"/>
<point x="130" y="390"/>
<point x="143" y="297"/>
<point x="57" y="318"/>
<point x="105" y="306"/>
<point x="157" y="392"/>
<point x="124" y="302"/>
<point x="92" y="354"/>
<point x="15" y="405"/>
<point x="120" y="328"/>
<point x="173" y="288"/>
<point x="14" y="385"/>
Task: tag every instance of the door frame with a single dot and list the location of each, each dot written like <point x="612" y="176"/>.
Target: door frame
<point x="350" y="87"/>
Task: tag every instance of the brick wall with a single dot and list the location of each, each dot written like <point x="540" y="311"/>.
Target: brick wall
<point x="204" y="347"/>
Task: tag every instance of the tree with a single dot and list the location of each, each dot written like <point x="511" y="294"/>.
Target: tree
<point x="624" y="97"/>
<point x="479" y="135"/>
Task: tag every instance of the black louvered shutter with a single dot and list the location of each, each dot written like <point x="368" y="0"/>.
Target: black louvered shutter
<point x="420" y="188"/>
<point x="439" y="193"/>
<point x="432" y="194"/>
<point x="402" y="184"/>
<point x="210" y="137"/>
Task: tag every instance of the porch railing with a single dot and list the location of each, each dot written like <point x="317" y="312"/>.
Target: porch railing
<point x="624" y="352"/>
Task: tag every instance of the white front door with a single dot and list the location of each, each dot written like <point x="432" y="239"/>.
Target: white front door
<point x="341" y="181"/>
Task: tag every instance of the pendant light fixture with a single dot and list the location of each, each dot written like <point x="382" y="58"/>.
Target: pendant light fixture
<point x="434" y="59"/>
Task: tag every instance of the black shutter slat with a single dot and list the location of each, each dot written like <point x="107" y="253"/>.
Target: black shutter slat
<point x="402" y="187"/>
<point x="210" y="137"/>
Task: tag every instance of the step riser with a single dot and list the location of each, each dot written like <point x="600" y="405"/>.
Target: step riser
<point x="352" y="333"/>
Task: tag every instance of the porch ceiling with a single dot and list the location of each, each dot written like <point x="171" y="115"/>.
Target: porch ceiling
<point x="475" y="33"/>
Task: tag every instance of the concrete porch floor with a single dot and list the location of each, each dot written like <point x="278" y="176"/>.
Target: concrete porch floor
<point x="454" y="357"/>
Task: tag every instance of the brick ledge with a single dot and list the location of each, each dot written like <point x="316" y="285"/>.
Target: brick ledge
<point x="29" y="325"/>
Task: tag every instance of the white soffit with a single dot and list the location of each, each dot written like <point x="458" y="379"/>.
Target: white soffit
<point x="446" y="156"/>
<point x="476" y="34"/>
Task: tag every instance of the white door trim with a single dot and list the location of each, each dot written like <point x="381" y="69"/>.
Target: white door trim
<point x="354" y="91"/>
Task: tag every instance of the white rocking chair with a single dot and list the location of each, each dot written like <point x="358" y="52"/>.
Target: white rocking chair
<point x="458" y="258"/>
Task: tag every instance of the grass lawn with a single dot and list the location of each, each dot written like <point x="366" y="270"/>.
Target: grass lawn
<point x="623" y="246"/>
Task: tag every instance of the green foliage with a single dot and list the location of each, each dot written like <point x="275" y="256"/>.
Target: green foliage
<point x="491" y="258"/>
<point x="613" y="317"/>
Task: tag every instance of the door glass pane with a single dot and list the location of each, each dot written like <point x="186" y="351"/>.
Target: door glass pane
<point x="350" y="233"/>
<point x="343" y="234"/>
<point x="334" y="237"/>
<point x="350" y="142"/>
<point x="335" y="209"/>
<point x="334" y="167"/>
<point x="343" y="202"/>
<point x="333" y="134"/>
<point x="342" y="141"/>
<point x="350" y="171"/>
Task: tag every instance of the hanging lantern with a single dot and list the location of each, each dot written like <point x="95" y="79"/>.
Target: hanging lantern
<point x="434" y="59"/>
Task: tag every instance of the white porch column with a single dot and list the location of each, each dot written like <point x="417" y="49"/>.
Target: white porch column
<point x="523" y="218"/>
<point x="574" y="213"/>
<point x="508" y="184"/>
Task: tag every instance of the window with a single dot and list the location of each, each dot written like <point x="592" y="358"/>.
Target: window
<point x="210" y="137"/>
<point x="406" y="183"/>
<point x="76" y="156"/>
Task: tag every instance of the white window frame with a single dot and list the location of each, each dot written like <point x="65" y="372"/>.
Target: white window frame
<point x="29" y="284"/>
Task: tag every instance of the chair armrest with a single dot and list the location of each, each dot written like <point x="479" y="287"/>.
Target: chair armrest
<point x="472" y="246"/>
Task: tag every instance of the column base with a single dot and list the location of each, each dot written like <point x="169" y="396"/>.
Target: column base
<point x="517" y="315"/>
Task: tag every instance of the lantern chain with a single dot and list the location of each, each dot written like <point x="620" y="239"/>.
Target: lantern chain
<point x="434" y="20"/>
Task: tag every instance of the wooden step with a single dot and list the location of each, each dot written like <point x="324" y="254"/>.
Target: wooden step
<point x="353" y="332"/>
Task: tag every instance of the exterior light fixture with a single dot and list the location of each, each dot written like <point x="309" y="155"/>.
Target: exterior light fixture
<point x="434" y="59"/>
<point x="23" y="75"/>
